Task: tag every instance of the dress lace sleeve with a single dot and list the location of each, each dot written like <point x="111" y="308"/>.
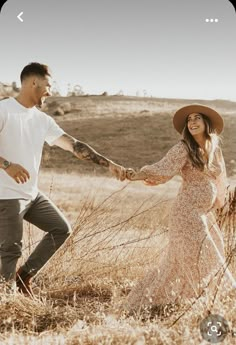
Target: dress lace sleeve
<point x="169" y="166"/>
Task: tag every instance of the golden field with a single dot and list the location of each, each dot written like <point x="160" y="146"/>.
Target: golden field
<point x="119" y="230"/>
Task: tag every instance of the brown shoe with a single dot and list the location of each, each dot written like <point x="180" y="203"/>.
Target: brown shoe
<point x="23" y="283"/>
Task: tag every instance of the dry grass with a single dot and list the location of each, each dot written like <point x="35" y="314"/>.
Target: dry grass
<point x="119" y="228"/>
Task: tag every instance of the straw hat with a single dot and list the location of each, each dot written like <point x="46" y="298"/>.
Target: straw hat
<point x="181" y="115"/>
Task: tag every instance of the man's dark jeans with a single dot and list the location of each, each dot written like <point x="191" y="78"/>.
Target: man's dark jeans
<point x="40" y="212"/>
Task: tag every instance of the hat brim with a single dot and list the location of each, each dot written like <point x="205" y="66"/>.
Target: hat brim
<point x="181" y="115"/>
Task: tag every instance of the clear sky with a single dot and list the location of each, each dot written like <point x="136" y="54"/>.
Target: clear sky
<point x="164" y="47"/>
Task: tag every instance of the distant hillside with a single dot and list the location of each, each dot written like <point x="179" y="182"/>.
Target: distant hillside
<point x="108" y="105"/>
<point x="132" y="131"/>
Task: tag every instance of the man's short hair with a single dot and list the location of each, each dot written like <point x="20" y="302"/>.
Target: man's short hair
<point x="34" y="68"/>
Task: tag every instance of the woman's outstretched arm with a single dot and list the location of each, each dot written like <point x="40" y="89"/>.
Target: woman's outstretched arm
<point x="162" y="171"/>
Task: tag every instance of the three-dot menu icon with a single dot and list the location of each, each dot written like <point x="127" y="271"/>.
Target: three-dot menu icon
<point x="211" y="20"/>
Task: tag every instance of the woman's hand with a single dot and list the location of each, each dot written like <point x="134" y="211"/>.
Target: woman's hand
<point x="133" y="175"/>
<point x="130" y="174"/>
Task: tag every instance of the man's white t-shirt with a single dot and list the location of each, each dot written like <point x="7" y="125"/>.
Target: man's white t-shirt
<point x="23" y="132"/>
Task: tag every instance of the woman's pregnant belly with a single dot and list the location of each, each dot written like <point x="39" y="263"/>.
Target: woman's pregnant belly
<point x="199" y="195"/>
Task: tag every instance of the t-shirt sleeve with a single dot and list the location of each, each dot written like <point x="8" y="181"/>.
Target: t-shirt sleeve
<point x="53" y="132"/>
<point x="169" y="166"/>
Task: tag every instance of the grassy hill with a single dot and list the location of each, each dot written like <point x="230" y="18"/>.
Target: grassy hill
<point x="132" y="131"/>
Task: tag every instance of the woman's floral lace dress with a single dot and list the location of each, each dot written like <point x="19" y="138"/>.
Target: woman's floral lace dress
<point x="195" y="249"/>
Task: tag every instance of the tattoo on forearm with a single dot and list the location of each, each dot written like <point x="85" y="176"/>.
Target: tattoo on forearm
<point x="85" y="152"/>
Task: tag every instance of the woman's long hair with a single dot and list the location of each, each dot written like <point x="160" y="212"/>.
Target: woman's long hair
<point x="194" y="150"/>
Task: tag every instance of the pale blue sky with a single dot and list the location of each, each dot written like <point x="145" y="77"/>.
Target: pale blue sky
<point x="161" y="46"/>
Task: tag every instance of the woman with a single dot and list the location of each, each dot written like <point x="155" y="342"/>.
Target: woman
<point x="195" y="250"/>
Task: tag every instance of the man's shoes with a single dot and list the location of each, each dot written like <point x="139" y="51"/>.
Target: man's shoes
<point x="23" y="283"/>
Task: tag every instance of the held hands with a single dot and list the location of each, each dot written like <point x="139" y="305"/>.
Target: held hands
<point x="18" y="173"/>
<point x="133" y="175"/>
<point x="122" y="173"/>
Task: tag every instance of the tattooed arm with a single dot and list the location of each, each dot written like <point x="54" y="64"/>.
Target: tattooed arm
<point x="85" y="152"/>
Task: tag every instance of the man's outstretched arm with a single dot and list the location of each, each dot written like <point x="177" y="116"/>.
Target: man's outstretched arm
<point x="85" y="152"/>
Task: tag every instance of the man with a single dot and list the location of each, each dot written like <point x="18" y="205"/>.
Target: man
<point x="23" y="130"/>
